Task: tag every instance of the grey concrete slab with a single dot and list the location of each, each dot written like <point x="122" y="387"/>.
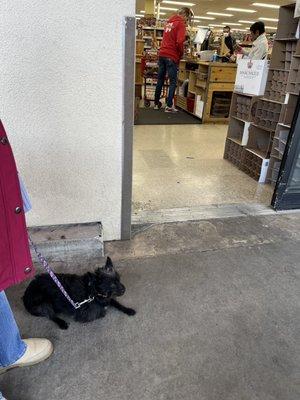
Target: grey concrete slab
<point x="217" y="322"/>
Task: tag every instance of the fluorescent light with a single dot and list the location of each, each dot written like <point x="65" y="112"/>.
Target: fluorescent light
<point x="246" y="22"/>
<point x="271" y="27"/>
<point x="139" y="15"/>
<point x="180" y="3"/>
<point x="219" y="14"/>
<point x="245" y="10"/>
<point x="266" y="5"/>
<point x="144" y="12"/>
<point x="169" y="8"/>
<point x="203" y="17"/>
<point x="200" y="26"/>
<point x="231" y="23"/>
<point x="216" y="25"/>
<point x="240" y="30"/>
<point x="269" y="19"/>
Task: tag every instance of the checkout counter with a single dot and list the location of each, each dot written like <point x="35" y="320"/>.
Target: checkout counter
<point x="205" y="89"/>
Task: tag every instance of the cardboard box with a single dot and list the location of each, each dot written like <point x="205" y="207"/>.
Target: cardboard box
<point x="276" y="85"/>
<point x="288" y="110"/>
<point x="280" y="141"/>
<point x="251" y="77"/>
<point x="238" y="131"/>
<point x="273" y="171"/>
<point x="233" y="152"/>
<point x="288" y="24"/>
<point x="267" y="114"/>
<point x="259" y="142"/>
<point x="243" y="106"/>
<point x="254" y="165"/>
<point x="293" y="85"/>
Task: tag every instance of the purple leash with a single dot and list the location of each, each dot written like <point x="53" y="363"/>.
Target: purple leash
<point x="55" y="279"/>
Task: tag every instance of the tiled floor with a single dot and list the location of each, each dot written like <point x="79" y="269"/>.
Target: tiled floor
<point x="182" y="166"/>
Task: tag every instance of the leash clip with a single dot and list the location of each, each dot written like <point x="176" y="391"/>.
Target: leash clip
<point x="89" y="300"/>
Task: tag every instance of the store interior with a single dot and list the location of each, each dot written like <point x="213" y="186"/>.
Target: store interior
<point x="224" y="146"/>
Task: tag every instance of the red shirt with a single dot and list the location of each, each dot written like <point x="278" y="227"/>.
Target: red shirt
<point x="172" y="45"/>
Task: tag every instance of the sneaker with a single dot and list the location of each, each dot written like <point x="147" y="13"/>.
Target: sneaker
<point x="171" y="110"/>
<point x="156" y="107"/>
<point x="38" y="350"/>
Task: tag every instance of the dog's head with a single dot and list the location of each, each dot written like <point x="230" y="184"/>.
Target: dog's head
<point x="106" y="281"/>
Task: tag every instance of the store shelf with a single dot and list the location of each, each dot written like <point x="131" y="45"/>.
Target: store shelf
<point x="291" y="39"/>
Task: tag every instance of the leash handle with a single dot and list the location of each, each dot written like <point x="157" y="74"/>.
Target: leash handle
<point x="55" y="279"/>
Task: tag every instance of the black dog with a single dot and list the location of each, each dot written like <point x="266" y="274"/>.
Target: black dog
<point x="42" y="298"/>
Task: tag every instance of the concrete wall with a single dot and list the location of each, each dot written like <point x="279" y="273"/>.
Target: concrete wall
<point x="61" y="103"/>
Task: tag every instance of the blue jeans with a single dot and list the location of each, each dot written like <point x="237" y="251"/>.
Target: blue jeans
<point x="166" y="66"/>
<point x="12" y="346"/>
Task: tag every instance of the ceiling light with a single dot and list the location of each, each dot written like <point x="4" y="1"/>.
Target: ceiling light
<point x="168" y="8"/>
<point x="208" y="18"/>
<point x="216" y="25"/>
<point x="271" y="27"/>
<point x="246" y="22"/>
<point x="240" y="30"/>
<point x="180" y="3"/>
<point x="139" y="15"/>
<point x="142" y="12"/>
<point x="219" y="14"/>
<point x="231" y="23"/>
<point x="245" y="10"/>
<point x="269" y="19"/>
<point x="200" y="26"/>
<point x="266" y="5"/>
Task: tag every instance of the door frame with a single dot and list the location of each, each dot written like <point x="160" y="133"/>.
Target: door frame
<point x="282" y="198"/>
<point x="129" y="27"/>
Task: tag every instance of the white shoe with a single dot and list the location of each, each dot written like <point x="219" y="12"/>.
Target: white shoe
<point x="156" y="107"/>
<point x="38" y="350"/>
<point x="171" y="110"/>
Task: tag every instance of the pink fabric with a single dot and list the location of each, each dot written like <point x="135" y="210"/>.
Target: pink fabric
<point x="15" y="260"/>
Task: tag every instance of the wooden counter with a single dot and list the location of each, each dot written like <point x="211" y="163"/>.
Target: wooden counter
<point x="210" y="84"/>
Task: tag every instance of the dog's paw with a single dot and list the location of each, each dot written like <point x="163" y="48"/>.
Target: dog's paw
<point x="130" y="312"/>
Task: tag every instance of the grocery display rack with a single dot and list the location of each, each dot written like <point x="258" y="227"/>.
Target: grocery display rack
<point x="260" y="125"/>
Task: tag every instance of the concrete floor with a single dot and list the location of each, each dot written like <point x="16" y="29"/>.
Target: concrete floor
<point x="218" y="308"/>
<point x="179" y="166"/>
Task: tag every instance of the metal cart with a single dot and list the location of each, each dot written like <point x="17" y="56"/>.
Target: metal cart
<point x="150" y="73"/>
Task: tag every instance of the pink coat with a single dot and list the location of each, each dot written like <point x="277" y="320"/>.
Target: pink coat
<point x="15" y="260"/>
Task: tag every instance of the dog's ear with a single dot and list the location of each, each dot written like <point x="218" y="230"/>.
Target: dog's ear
<point x="109" y="264"/>
<point x="107" y="269"/>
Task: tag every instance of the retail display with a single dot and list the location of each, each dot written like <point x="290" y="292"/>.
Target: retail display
<point x="259" y="126"/>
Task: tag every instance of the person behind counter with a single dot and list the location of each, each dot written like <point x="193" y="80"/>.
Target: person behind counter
<point x="171" y="51"/>
<point x="260" y="46"/>
<point x="230" y="42"/>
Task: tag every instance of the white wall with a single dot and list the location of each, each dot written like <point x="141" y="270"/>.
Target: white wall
<point x="61" y="104"/>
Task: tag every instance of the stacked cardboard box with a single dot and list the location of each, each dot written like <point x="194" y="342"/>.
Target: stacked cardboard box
<point x="260" y="125"/>
<point x="286" y="55"/>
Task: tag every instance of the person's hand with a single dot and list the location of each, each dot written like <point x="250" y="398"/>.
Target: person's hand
<point x="232" y="58"/>
<point x="239" y="48"/>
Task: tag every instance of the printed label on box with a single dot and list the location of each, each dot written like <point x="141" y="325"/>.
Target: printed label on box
<point x="251" y="77"/>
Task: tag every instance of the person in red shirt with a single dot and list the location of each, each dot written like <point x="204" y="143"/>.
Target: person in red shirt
<point x="170" y="53"/>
